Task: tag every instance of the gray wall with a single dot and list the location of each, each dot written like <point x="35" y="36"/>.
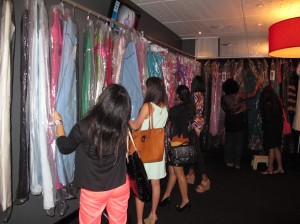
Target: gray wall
<point x="32" y="210"/>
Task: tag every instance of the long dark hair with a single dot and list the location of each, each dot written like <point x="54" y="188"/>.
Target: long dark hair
<point x="109" y="120"/>
<point x="230" y="86"/>
<point x="156" y="91"/>
<point x="269" y="103"/>
<point x="198" y="84"/>
<point x="183" y="93"/>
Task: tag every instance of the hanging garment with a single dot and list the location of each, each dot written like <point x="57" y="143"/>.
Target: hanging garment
<point x="118" y="56"/>
<point x="23" y="190"/>
<point x="6" y="38"/>
<point x="216" y="127"/>
<point x="109" y="48"/>
<point x="168" y="77"/>
<point x="55" y="60"/>
<point x="66" y="98"/>
<point x="99" y="56"/>
<point x="44" y="106"/>
<point x="154" y="61"/>
<point x="142" y="51"/>
<point x="254" y="120"/>
<point x="296" y="123"/>
<point x="130" y="79"/>
<point x="35" y="162"/>
<point x="88" y="78"/>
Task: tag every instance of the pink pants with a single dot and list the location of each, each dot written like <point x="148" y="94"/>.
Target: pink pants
<point x="92" y="204"/>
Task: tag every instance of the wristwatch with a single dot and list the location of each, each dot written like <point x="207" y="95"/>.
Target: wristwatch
<point x="58" y="122"/>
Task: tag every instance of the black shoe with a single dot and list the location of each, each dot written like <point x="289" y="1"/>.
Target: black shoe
<point x="165" y="202"/>
<point x="181" y="209"/>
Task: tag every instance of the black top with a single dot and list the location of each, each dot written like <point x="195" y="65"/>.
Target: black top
<point x="91" y="172"/>
<point x="179" y="121"/>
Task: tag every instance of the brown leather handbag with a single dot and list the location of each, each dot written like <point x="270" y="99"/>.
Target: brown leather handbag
<point x="149" y="143"/>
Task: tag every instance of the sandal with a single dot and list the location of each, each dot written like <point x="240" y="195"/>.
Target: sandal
<point x="278" y="172"/>
<point x="204" y="186"/>
<point x="267" y="172"/>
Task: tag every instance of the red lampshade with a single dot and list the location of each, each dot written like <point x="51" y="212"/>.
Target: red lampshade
<point x="284" y="39"/>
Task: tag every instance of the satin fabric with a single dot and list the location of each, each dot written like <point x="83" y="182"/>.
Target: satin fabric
<point x="6" y="37"/>
<point x="87" y="76"/>
<point x="99" y="57"/>
<point x="130" y="79"/>
<point x="66" y="98"/>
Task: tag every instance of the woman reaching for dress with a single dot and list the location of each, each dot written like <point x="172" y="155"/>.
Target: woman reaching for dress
<point x="157" y="99"/>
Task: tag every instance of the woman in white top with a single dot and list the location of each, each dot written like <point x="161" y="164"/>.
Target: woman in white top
<point x="156" y="96"/>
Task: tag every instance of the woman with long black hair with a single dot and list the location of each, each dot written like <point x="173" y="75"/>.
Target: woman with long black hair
<point x="100" y="160"/>
<point x="272" y="124"/>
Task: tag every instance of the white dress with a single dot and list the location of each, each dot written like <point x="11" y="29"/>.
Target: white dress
<point x="156" y="170"/>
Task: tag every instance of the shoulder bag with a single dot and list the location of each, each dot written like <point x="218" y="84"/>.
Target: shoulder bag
<point x="182" y="155"/>
<point x="150" y="142"/>
<point x="138" y="179"/>
<point x="286" y="125"/>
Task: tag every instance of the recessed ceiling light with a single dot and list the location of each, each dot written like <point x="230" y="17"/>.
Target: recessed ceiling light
<point x="258" y="43"/>
<point x="200" y="32"/>
<point x="259" y="5"/>
<point x="259" y="24"/>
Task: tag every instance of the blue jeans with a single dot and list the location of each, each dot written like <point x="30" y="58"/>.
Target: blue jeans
<point x="233" y="147"/>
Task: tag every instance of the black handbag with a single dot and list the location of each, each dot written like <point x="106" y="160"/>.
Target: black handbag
<point x="138" y="179"/>
<point x="182" y="155"/>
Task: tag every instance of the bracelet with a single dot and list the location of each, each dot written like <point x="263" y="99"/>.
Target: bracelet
<point x="58" y="122"/>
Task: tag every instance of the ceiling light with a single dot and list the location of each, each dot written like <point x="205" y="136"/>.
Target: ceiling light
<point x="258" y="43"/>
<point x="284" y="39"/>
<point x="259" y="5"/>
<point x="227" y="44"/>
<point x="216" y="27"/>
<point x="259" y="24"/>
<point x="200" y="32"/>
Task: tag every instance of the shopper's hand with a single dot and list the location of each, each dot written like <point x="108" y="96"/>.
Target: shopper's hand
<point x="56" y="116"/>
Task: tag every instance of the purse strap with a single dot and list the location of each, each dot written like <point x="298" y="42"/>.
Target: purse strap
<point x="150" y="116"/>
<point x="283" y="110"/>
<point x="132" y="141"/>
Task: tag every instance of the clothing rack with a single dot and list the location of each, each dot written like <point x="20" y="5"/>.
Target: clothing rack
<point x="106" y="19"/>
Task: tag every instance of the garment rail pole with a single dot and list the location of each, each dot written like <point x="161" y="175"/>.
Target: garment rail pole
<point x="106" y="19"/>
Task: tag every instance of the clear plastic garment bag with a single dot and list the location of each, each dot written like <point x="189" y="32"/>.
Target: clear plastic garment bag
<point x="6" y="39"/>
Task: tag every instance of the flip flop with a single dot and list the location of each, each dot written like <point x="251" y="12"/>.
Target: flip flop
<point x="278" y="172"/>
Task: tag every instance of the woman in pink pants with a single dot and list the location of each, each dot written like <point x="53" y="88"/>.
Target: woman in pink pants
<point x="100" y="161"/>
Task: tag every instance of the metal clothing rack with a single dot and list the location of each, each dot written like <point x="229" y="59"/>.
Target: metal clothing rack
<point x="106" y="19"/>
